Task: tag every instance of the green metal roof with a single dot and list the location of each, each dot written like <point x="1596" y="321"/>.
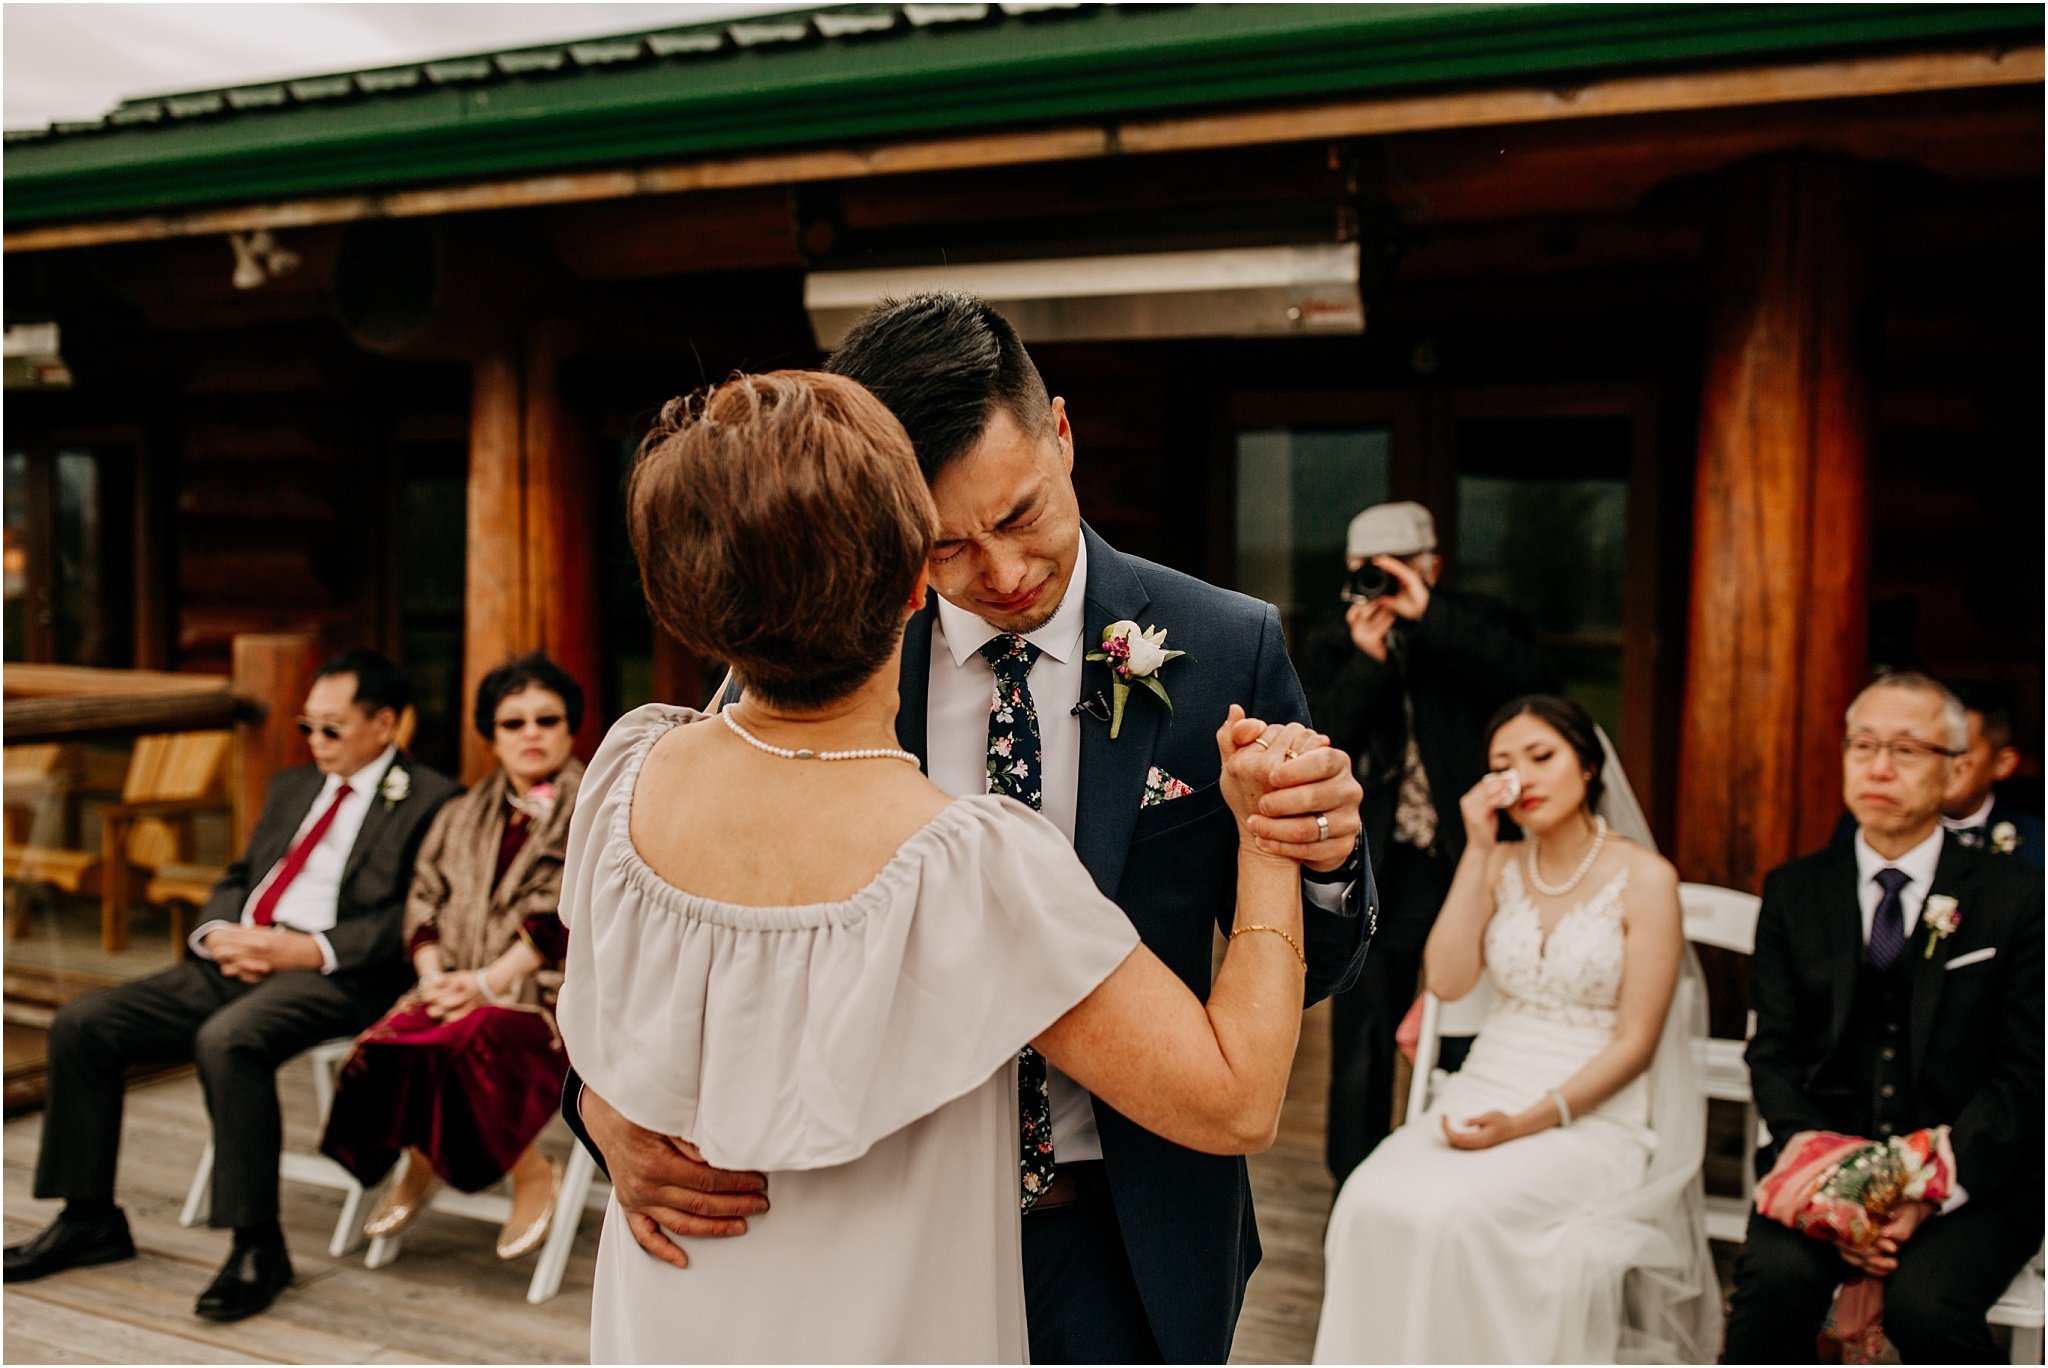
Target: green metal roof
<point x="866" y="72"/>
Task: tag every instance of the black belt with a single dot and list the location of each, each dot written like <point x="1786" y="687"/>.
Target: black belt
<point x="1087" y="1179"/>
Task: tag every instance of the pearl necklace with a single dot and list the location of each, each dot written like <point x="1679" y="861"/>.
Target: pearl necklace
<point x="1592" y="854"/>
<point x="784" y="752"/>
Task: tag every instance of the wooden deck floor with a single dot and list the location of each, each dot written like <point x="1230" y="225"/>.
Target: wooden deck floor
<point x="448" y="1299"/>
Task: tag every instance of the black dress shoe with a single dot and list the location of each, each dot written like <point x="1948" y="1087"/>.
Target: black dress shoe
<point x="247" y="1283"/>
<point x="70" y="1244"/>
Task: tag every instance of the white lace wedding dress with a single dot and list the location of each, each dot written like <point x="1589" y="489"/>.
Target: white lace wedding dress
<point x="1579" y="1244"/>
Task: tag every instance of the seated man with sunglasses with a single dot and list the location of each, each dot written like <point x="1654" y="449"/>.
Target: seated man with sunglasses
<point x="300" y="943"/>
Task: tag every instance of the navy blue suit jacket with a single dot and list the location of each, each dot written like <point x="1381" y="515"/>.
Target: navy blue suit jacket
<point x="1186" y="1218"/>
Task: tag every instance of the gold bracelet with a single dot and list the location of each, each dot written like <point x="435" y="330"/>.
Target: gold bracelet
<point x="1292" y="944"/>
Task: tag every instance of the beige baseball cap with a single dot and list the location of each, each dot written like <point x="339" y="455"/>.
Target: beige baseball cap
<point x="1391" y="529"/>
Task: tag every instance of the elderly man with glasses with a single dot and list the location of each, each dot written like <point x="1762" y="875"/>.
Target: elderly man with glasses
<point x="300" y="943"/>
<point x="1897" y="992"/>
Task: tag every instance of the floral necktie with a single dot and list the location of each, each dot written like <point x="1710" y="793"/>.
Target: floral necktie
<point x="1013" y="770"/>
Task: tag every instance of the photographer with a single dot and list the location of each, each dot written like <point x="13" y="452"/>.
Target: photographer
<point x="1406" y="684"/>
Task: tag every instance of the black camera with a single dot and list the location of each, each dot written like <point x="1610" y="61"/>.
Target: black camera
<point x="1367" y="583"/>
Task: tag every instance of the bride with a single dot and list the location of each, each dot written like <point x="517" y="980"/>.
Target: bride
<point x="1548" y="1206"/>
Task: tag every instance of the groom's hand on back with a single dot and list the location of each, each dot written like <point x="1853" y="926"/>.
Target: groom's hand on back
<point x="663" y="1184"/>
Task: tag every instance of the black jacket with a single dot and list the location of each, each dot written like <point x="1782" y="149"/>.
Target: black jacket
<point x="375" y="879"/>
<point x="1466" y="657"/>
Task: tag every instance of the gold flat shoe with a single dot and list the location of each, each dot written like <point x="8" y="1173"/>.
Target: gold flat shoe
<point x="392" y="1215"/>
<point x="510" y="1245"/>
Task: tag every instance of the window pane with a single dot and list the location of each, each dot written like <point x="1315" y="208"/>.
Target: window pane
<point x="15" y="502"/>
<point x="1297" y="491"/>
<point x="1557" y="550"/>
<point x="79" y="622"/>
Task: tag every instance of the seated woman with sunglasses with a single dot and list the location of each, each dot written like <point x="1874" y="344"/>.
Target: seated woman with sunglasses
<point x="466" y="1070"/>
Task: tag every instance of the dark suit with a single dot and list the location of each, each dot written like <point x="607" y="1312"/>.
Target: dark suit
<point x="2027" y="831"/>
<point x="1840" y="1046"/>
<point x="238" y="1033"/>
<point x="1466" y="657"/>
<point x="1183" y="1221"/>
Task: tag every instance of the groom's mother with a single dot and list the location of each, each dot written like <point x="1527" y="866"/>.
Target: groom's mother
<point x="464" y="1072"/>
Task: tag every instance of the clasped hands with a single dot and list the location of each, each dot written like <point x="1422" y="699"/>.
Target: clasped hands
<point x="1279" y="779"/>
<point x="1880" y="1258"/>
<point x="250" y="954"/>
<point x="449" y="996"/>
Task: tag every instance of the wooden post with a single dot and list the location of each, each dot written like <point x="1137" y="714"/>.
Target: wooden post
<point x="275" y="671"/>
<point x="1780" y="609"/>
<point x="561" y="589"/>
<point x="530" y="577"/>
<point x="493" y="626"/>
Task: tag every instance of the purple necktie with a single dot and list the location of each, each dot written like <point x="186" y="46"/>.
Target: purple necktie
<point x="1888" y="923"/>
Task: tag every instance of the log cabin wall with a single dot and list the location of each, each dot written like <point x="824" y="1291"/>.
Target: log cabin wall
<point x="1530" y="266"/>
<point x="1957" y="451"/>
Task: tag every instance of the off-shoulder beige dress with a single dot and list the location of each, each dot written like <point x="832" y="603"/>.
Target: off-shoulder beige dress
<point x="862" y="1053"/>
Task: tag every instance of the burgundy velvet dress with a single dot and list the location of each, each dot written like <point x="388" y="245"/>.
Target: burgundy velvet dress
<point x="470" y="1094"/>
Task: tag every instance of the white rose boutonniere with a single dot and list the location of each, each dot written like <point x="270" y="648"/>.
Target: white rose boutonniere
<point x="1135" y="655"/>
<point x="396" y="787"/>
<point x="1940" y="919"/>
<point x="2005" y="838"/>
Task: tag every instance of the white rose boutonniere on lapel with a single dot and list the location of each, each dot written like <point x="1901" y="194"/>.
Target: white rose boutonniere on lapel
<point x="1940" y="919"/>
<point x="2005" y="838"/>
<point x="397" y="786"/>
<point x="1135" y="655"/>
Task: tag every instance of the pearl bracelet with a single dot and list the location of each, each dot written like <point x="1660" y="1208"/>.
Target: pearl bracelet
<point x="482" y="978"/>
<point x="1564" y="1112"/>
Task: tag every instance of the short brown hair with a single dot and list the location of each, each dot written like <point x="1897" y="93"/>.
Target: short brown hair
<point x="780" y="521"/>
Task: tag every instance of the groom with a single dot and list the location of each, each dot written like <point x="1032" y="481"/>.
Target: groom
<point x="1137" y="1250"/>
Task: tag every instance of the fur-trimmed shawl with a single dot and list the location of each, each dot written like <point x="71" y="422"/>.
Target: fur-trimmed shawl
<point x="452" y="886"/>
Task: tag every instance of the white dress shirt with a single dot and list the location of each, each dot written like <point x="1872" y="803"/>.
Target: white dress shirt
<point x="1980" y="819"/>
<point x="1918" y="865"/>
<point x="312" y="902"/>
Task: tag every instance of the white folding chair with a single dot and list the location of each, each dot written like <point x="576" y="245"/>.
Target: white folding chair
<point x="1726" y="920"/>
<point x="2019" y="1310"/>
<point x="316" y="1169"/>
<point x="578" y="1192"/>
<point x="1439" y="1019"/>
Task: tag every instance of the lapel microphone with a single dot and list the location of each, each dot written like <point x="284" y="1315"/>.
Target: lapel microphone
<point x="1096" y="707"/>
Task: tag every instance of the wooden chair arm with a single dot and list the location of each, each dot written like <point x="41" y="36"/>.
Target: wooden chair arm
<point x="161" y="807"/>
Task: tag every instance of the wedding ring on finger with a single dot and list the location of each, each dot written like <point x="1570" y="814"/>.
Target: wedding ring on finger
<point x="1262" y="743"/>
<point x="1322" y="826"/>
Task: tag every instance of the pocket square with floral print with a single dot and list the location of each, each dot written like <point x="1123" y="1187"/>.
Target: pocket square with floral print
<point x="1161" y="787"/>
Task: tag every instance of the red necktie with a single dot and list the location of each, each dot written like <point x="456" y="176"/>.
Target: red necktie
<point x="295" y="860"/>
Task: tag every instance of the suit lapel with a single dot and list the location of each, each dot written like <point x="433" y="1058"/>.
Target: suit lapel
<point x="293" y="811"/>
<point x="1112" y="782"/>
<point x="381" y="815"/>
<point x="914" y="684"/>
<point x="1954" y="876"/>
<point x="1842" y="934"/>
